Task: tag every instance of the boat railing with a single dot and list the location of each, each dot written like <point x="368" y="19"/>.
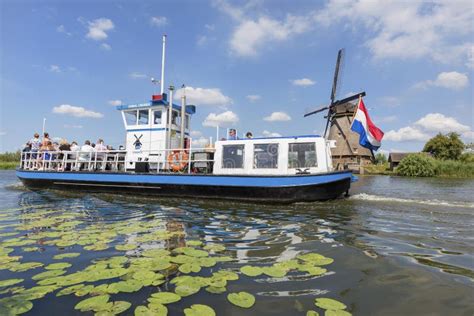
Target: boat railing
<point x="173" y="160"/>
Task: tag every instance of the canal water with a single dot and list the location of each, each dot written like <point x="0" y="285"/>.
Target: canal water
<point x="400" y="247"/>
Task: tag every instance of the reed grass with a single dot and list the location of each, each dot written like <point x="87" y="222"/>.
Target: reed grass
<point x="9" y="160"/>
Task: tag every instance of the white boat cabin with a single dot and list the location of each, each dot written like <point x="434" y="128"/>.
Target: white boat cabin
<point x="273" y="156"/>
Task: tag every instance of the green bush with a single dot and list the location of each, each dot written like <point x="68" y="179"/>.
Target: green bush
<point x="467" y="157"/>
<point x="417" y="165"/>
<point x="10" y="157"/>
<point x="380" y="159"/>
<point x="454" y="169"/>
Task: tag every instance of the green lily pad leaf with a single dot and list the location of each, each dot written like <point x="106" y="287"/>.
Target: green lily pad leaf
<point x="214" y="247"/>
<point x="182" y="259"/>
<point x="156" y="253"/>
<point x="336" y="312"/>
<point x="92" y="303"/>
<point x="48" y="274"/>
<point x="126" y="247"/>
<point x="158" y="309"/>
<point x="226" y="274"/>
<point x="143" y="311"/>
<point x="22" y="267"/>
<point x="15" y="305"/>
<point x="189" y="267"/>
<point x="329" y="303"/>
<point x="312" y="313"/>
<point x="70" y="290"/>
<point x="186" y="289"/>
<point x="5" y="283"/>
<point x="120" y="307"/>
<point x="223" y="259"/>
<point x="251" y="271"/>
<point x="144" y="275"/>
<point x="206" y="262"/>
<point x="30" y="249"/>
<point x="316" y="259"/>
<point x="316" y="271"/>
<point x="83" y="291"/>
<point x="165" y="297"/>
<point x="194" y="243"/>
<point x="216" y="290"/>
<point x="199" y="310"/>
<point x="195" y="252"/>
<point x="274" y="272"/>
<point x="241" y="299"/>
<point x="128" y="286"/>
<point x="66" y="255"/>
<point x="58" y="266"/>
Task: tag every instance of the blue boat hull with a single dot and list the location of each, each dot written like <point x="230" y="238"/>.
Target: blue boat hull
<point x="267" y="189"/>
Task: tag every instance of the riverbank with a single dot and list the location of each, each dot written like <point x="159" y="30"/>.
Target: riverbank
<point x="8" y="165"/>
<point x="443" y="169"/>
<point x="9" y="161"/>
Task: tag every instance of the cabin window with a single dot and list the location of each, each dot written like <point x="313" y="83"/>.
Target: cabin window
<point x="302" y="155"/>
<point x="186" y="122"/>
<point x="265" y="156"/>
<point x="175" y="118"/>
<point x="233" y="156"/>
<point x="143" y="117"/>
<point x="157" y="117"/>
<point x="131" y="117"/>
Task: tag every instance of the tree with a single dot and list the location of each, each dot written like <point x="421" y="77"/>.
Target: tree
<point x="417" y="165"/>
<point x="445" y="147"/>
<point x="380" y="159"/>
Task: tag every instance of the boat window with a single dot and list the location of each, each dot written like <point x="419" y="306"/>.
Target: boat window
<point x="233" y="156"/>
<point x="186" y="122"/>
<point x="143" y="117"/>
<point x="131" y="117"/>
<point x="157" y="117"/>
<point x="175" y="118"/>
<point x="302" y="155"/>
<point x="265" y="156"/>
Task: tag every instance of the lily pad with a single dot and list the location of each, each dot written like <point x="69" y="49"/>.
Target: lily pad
<point x="158" y="309"/>
<point x="126" y="247"/>
<point x="22" y="267"/>
<point x="251" y="271"/>
<point x="120" y="307"/>
<point x="199" y="310"/>
<point x="66" y="255"/>
<point x="214" y="247"/>
<point x="336" y="312"/>
<point x="329" y="303"/>
<point x="216" y="290"/>
<point x="165" y="297"/>
<point x="194" y="243"/>
<point x="274" y="272"/>
<point x="143" y="311"/>
<point x="16" y="306"/>
<point x="48" y="274"/>
<point x="195" y="252"/>
<point x="70" y="290"/>
<point x="5" y="283"/>
<point x="241" y="299"/>
<point x="92" y="303"/>
<point x="186" y="289"/>
<point x="312" y="313"/>
<point x="58" y="266"/>
<point x="189" y="267"/>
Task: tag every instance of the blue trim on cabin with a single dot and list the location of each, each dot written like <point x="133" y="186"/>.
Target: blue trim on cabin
<point x="190" y="109"/>
<point x="203" y="180"/>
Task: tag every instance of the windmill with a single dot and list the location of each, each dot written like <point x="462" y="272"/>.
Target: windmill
<point x="347" y="153"/>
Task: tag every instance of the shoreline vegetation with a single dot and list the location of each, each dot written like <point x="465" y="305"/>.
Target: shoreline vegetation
<point x="9" y="161"/>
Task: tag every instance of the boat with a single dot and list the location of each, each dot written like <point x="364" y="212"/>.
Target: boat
<point x="159" y="160"/>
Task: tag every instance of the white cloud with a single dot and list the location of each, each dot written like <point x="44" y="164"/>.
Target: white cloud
<point x="407" y="133"/>
<point x="277" y="117"/>
<point x="426" y="127"/>
<point x="105" y="46"/>
<point x="73" y="126"/>
<point x="98" y="29"/>
<point x="304" y="82"/>
<point x="76" y="111"/>
<point x="196" y="133"/>
<point x="437" y="122"/>
<point x="115" y="102"/>
<point x="200" y="142"/>
<point x="158" y="21"/>
<point x="385" y="119"/>
<point x="266" y="133"/>
<point x="226" y="118"/>
<point x="3" y="133"/>
<point x="253" y="97"/>
<point x="55" y="68"/>
<point x="204" y="96"/>
<point x="137" y="75"/>
<point x="389" y="101"/>
<point x="62" y="29"/>
<point x="450" y="80"/>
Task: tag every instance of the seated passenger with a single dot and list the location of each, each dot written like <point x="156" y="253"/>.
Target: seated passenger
<point x="35" y="143"/>
<point x="85" y="152"/>
<point x="46" y="139"/>
<point x="100" y="148"/>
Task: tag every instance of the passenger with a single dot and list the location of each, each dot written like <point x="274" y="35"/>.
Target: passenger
<point x="73" y="155"/>
<point x="64" y="147"/>
<point x="249" y="135"/>
<point x="100" y="150"/>
<point x="85" y="153"/>
<point x="45" y="155"/>
<point x="26" y="156"/>
<point x="74" y="146"/>
<point x="35" y="144"/>
<point x="109" y="147"/>
<point x="46" y="139"/>
<point x="232" y="134"/>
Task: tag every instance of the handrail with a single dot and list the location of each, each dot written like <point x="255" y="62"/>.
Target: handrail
<point x="110" y="160"/>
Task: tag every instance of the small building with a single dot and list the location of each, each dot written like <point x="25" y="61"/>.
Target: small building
<point x="395" y="158"/>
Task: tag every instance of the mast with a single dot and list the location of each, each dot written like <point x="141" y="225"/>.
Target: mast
<point x="163" y="65"/>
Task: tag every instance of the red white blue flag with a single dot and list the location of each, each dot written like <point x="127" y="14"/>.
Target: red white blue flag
<point x="370" y="135"/>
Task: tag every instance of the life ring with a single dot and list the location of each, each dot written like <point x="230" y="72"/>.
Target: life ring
<point x="178" y="160"/>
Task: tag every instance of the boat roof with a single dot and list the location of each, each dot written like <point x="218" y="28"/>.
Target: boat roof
<point x="190" y="109"/>
<point x="280" y="137"/>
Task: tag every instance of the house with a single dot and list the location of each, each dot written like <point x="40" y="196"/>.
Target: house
<point x="395" y="158"/>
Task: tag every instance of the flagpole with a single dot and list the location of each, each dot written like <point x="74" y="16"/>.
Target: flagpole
<point x="356" y="109"/>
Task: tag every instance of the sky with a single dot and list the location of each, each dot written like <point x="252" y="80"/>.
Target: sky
<point x="252" y="65"/>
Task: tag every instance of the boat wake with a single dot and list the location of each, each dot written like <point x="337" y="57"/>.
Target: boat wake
<point x="378" y="198"/>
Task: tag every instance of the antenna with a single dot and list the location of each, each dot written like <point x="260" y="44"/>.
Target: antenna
<point x="163" y="65"/>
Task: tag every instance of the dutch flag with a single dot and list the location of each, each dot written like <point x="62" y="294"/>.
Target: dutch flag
<point x="370" y="135"/>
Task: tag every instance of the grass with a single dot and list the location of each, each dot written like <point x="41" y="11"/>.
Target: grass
<point x="9" y="160"/>
<point x="378" y="169"/>
<point x="443" y="169"/>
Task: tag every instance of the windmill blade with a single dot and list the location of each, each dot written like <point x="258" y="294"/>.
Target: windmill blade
<point x="316" y="110"/>
<point x="335" y="83"/>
